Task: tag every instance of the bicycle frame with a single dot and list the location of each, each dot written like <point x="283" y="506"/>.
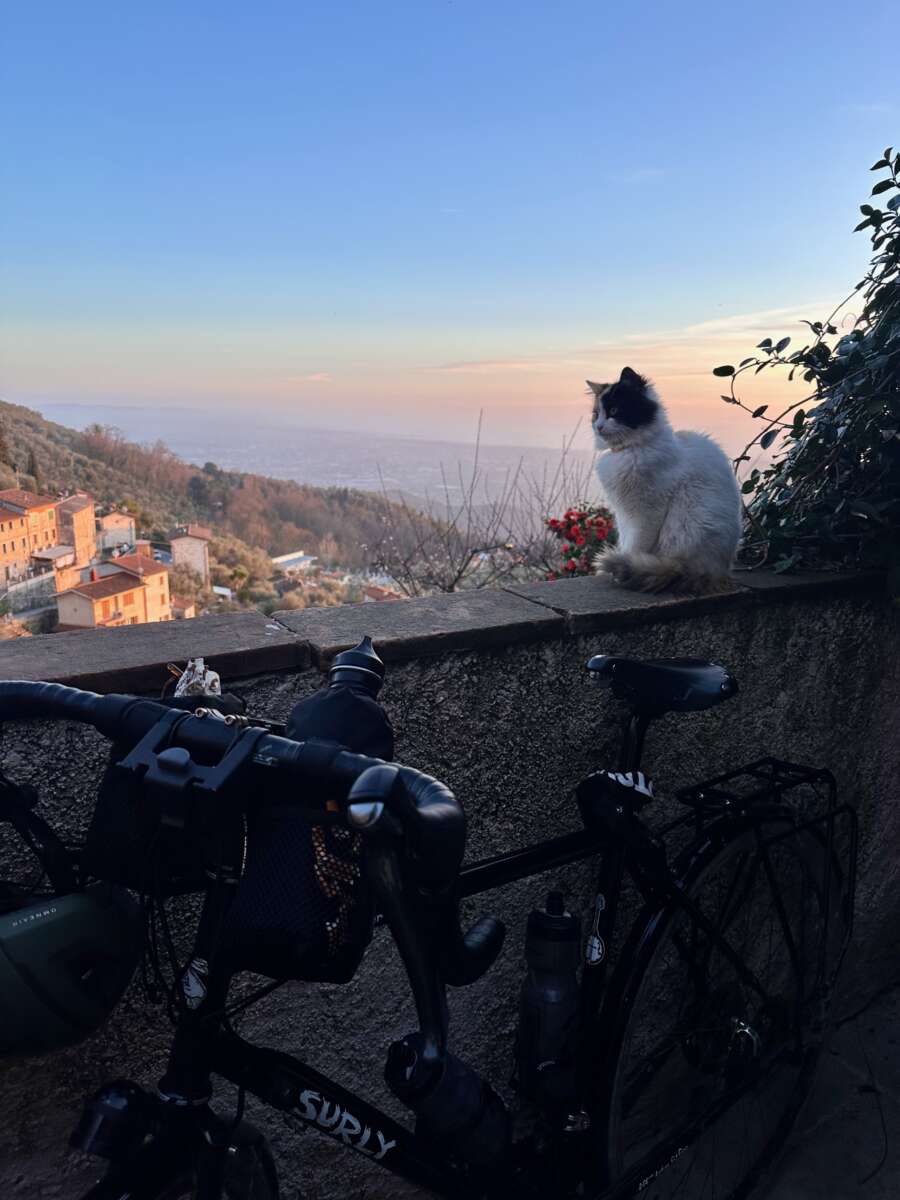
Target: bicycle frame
<point x="205" y="1045"/>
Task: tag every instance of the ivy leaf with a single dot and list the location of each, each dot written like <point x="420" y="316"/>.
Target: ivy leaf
<point x="782" y="345"/>
<point x="723" y="371"/>
<point x="894" y="202"/>
<point x="882" y="162"/>
<point x="882" y="186"/>
<point x="765" y="344"/>
<point x="758" y="412"/>
<point x="728" y="399"/>
<point x="768" y="438"/>
<point x="745" y="361"/>
<point x="747" y="486"/>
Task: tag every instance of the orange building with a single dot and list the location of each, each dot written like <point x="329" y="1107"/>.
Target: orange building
<point x="136" y="592"/>
<point x="15" y="551"/>
<point x="77" y="526"/>
<point x="39" y="513"/>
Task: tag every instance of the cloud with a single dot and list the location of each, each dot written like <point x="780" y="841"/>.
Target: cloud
<point x="317" y="377"/>
<point x="689" y="349"/>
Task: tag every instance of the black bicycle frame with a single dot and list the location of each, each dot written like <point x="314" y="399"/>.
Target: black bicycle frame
<point x="205" y="1044"/>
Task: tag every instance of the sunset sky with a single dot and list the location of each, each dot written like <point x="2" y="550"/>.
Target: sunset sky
<point x="389" y="215"/>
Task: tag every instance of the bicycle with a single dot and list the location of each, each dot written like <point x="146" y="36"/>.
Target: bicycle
<point x="692" y="1057"/>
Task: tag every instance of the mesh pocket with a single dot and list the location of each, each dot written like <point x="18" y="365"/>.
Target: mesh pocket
<point x="303" y="909"/>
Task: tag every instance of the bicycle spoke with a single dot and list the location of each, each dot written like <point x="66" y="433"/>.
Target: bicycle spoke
<point x="718" y="1030"/>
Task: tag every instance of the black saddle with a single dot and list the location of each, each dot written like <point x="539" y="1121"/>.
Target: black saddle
<point x="659" y="685"/>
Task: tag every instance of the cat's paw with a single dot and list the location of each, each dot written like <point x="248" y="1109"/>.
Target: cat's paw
<point x="614" y="565"/>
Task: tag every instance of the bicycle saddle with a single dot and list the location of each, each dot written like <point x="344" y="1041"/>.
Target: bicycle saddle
<point x="660" y="685"/>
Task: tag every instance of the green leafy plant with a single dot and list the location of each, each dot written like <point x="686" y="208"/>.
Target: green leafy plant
<point x="829" y="495"/>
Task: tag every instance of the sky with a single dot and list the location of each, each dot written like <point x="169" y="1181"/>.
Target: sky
<point x="389" y="216"/>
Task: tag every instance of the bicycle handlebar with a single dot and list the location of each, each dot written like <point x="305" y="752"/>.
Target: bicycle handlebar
<point x="428" y="811"/>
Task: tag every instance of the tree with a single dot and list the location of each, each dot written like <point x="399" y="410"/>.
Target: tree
<point x="33" y="470"/>
<point x="5" y="452"/>
<point x="831" y="492"/>
<point x="474" y="538"/>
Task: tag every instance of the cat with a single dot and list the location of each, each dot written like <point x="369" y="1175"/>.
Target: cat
<point x="674" y="495"/>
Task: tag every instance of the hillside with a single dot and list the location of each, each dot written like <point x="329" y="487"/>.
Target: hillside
<point x="276" y="516"/>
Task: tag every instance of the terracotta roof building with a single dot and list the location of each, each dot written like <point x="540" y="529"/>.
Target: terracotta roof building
<point x="77" y="526"/>
<point x="39" y="513"/>
<point x="190" y="549"/>
<point x="135" y="593"/>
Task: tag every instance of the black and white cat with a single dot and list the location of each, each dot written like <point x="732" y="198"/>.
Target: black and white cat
<point x="674" y="495"/>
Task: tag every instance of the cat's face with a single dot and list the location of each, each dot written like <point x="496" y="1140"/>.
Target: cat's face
<point x="621" y="409"/>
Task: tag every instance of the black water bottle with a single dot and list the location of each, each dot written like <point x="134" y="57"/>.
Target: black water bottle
<point x="548" y="1008"/>
<point x="347" y="711"/>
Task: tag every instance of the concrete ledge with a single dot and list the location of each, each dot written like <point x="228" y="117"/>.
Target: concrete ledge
<point x="427" y="626"/>
<point x="134" y="658"/>
<point x="593" y="604"/>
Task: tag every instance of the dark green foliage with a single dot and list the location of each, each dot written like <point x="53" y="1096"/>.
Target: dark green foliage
<point x="34" y="470"/>
<point x="831" y="494"/>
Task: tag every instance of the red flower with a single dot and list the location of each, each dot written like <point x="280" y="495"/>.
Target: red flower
<point x="571" y="564"/>
<point x="566" y="548"/>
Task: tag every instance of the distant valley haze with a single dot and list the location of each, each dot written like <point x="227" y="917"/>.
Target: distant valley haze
<point x="223" y="227"/>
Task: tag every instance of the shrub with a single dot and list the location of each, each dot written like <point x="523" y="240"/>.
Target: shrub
<point x="830" y="495"/>
<point x="584" y="532"/>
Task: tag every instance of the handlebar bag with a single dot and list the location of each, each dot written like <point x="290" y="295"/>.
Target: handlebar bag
<point x="303" y="909"/>
<point x="128" y="843"/>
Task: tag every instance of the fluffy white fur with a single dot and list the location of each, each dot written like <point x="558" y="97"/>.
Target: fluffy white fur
<point x="675" y="499"/>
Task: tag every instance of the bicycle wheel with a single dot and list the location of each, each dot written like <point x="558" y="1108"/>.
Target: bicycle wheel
<point x="712" y="1066"/>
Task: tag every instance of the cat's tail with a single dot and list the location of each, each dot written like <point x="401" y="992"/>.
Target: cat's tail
<point x="641" y="572"/>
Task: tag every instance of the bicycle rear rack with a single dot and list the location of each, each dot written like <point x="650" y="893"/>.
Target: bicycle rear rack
<point x="834" y="826"/>
<point x="764" y="780"/>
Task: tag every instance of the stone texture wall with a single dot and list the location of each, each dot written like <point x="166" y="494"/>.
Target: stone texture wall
<point x="487" y="691"/>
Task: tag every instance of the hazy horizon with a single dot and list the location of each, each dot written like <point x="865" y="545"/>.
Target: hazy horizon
<point x="388" y="218"/>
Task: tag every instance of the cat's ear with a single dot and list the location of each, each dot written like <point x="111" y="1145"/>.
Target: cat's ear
<point x="596" y="388"/>
<point x="631" y="378"/>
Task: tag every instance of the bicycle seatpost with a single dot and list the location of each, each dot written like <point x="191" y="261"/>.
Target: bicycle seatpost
<point x="632" y="747"/>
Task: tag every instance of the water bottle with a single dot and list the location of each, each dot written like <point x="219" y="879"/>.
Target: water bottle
<point x="455" y="1107"/>
<point x="347" y="711"/>
<point x="548" y="1008"/>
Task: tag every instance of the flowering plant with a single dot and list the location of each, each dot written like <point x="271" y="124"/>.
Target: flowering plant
<point x="584" y="531"/>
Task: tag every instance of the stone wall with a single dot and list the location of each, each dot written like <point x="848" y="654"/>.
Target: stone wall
<point x="487" y="691"/>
